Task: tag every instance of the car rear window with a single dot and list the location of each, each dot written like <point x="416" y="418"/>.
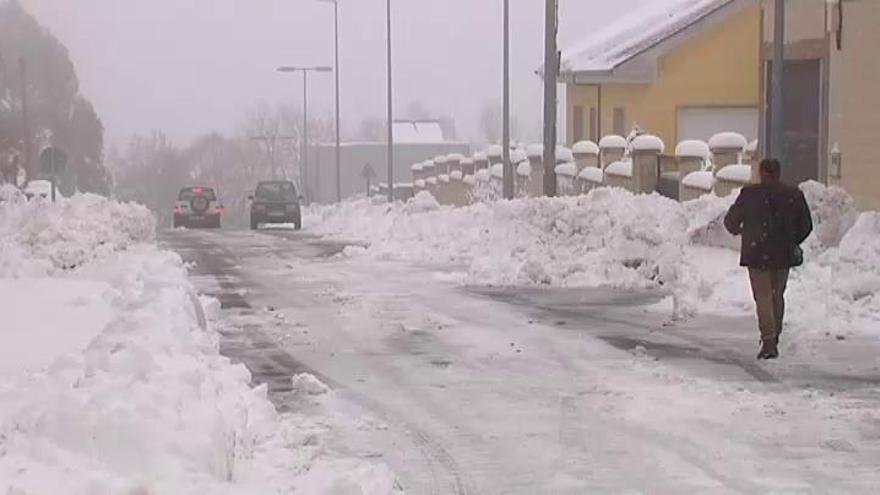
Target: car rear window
<point x="189" y="193"/>
<point x="276" y="191"/>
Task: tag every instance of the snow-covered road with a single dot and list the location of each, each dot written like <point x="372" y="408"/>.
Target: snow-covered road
<point x="481" y="390"/>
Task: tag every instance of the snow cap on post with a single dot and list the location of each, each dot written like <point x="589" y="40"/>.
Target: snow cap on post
<point x="567" y="169"/>
<point x="585" y="148"/>
<point x="535" y="151"/>
<point x="498" y="170"/>
<point x="564" y="155"/>
<point x="612" y="141"/>
<point x="416" y="167"/>
<point x="495" y="151"/>
<point x="440" y="159"/>
<point x="728" y="141"/>
<point x="648" y="142"/>
<point x="620" y="168"/>
<point x="524" y="169"/>
<point x="692" y="148"/>
<point x="480" y="156"/>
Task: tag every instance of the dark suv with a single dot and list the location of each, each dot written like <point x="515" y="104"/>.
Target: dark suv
<point x="275" y="202"/>
<point x="197" y="207"/>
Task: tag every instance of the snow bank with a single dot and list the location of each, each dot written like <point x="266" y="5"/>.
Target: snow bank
<point x="40" y="237"/>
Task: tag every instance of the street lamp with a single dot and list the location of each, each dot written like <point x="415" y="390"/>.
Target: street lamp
<point x="505" y="132"/>
<point x="305" y="138"/>
<point x="336" y="67"/>
<point x="390" y="112"/>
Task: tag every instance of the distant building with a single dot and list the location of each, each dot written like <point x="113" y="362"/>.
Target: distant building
<point x="680" y="69"/>
<point x="414" y="141"/>
<point x="832" y="93"/>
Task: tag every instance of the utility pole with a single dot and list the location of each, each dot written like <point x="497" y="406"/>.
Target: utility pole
<point x="551" y="69"/>
<point x="25" y="131"/>
<point x="776" y="147"/>
<point x="505" y="132"/>
<point x="390" y="113"/>
<point x="336" y="67"/>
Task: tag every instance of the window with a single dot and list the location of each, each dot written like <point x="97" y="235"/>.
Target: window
<point x="276" y="191"/>
<point x="579" y="133"/>
<point x="619" y="123"/>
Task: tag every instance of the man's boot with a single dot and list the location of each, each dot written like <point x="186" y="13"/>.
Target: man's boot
<point x="769" y="349"/>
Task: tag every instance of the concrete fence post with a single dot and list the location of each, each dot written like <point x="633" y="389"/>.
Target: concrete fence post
<point x="535" y="155"/>
<point x="612" y="148"/>
<point x="692" y="156"/>
<point x="646" y="150"/>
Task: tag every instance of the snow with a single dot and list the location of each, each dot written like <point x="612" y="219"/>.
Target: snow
<point x="306" y="383"/>
<point x="535" y="151"/>
<point x="432" y="181"/>
<point x="564" y="155"/>
<point x="480" y="156"/>
<point x="612" y="141"/>
<point x="428" y="166"/>
<point x="692" y="148"/>
<point x="440" y="160"/>
<point x="736" y="173"/>
<point x="634" y="32"/>
<point x="420" y="183"/>
<point x="585" y="148"/>
<point x="518" y="155"/>
<point x="111" y="379"/>
<point x="592" y="174"/>
<point x="443" y="178"/>
<point x="648" y="142"/>
<point x="416" y="167"/>
<point x="39" y="188"/>
<point x="728" y="140"/>
<point x="467" y="161"/>
<point x="483" y="175"/>
<point x="495" y="151"/>
<point x="567" y="169"/>
<point x="621" y="168"/>
<point x="524" y="169"/>
<point x="498" y="170"/>
<point x="752" y="147"/>
<point x="455" y="175"/>
<point x="704" y="180"/>
<point x="455" y="157"/>
<point x="469" y="180"/>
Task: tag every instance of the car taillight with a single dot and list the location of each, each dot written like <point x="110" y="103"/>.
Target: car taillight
<point x="218" y="209"/>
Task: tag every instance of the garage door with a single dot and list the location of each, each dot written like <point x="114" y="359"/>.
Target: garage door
<point x="703" y="122"/>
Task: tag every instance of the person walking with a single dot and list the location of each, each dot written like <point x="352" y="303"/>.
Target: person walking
<point x="774" y="220"/>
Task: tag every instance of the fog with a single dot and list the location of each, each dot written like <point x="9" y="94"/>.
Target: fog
<point x="190" y="66"/>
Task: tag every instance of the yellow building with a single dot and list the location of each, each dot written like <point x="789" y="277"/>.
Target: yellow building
<point x="831" y="114"/>
<point x="680" y="69"/>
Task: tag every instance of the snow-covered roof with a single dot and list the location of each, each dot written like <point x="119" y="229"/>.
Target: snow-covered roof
<point x="692" y="148"/>
<point x="728" y="140"/>
<point x="636" y="32"/>
<point x="699" y="180"/>
<point x="736" y="173"/>
<point x="585" y="148"/>
<point x="612" y="141"/>
<point x="592" y="174"/>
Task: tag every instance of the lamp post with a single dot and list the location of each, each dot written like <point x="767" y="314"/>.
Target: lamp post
<point x="776" y="148"/>
<point x="505" y="132"/>
<point x="551" y="68"/>
<point x="304" y="150"/>
<point x="390" y="110"/>
<point x="336" y="67"/>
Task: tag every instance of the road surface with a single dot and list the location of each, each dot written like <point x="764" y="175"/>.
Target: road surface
<point x="483" y="390"/>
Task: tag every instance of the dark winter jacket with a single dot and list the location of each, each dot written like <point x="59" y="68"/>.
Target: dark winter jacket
<point x="773" y="219"/>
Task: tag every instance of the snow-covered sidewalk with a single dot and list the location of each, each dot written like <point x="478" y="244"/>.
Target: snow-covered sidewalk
<point x="611" y="237"/>
<point x="111" y="380"/>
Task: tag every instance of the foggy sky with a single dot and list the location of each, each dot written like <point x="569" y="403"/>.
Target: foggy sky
<point x="191" y="66"/>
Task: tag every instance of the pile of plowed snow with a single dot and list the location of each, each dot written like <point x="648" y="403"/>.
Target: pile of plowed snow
<point x="611" y="237"/>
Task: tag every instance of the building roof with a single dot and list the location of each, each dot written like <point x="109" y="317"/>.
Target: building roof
<point x="638" y="32"/>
